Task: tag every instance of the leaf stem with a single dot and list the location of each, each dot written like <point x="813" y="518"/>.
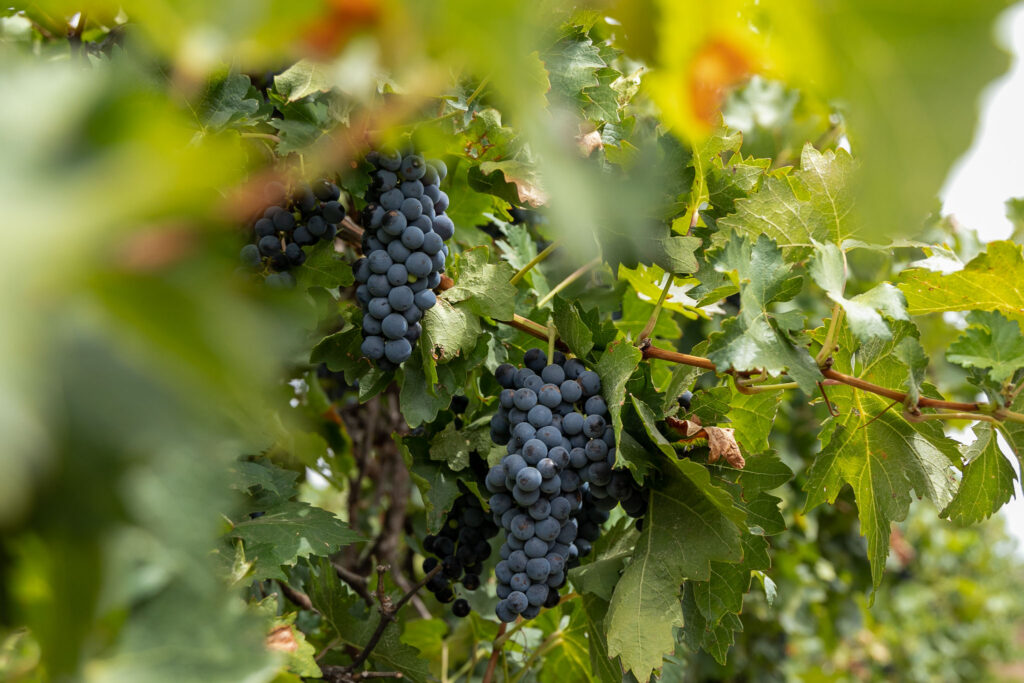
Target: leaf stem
<point x="830" y="337"/>
<point x="551" y="343"/>
<point x="653" y="320"/>
<point x="572" y="277"/>
<point x="534" y="261"/>
<point x="496" y="648"/>
<point x="910" y="417"/>
<point x="261" y="136"/>
<point x="763" y="388"/>
<point x="479" y="89"/>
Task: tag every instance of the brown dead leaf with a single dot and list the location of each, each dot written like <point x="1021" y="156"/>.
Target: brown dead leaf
<point x="688" y="429"/>
<point x="722" y="442"/>
<point x="588" y="142"/>
<point x="281" y="639"/>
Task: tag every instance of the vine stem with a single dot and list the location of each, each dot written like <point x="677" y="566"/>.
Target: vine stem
<point x="492" y="663"/>
<point x="830" y="337"/>
<point x="387" y="614"/>
<point x="534" y="261"/>
<point x="653" y="320"/>
<point x="572" y="277"/>
<point x="551" y="342"/>
<point x="910" y="417"/>
<point x="649" y="351"/>
<point x="261" y="136"/>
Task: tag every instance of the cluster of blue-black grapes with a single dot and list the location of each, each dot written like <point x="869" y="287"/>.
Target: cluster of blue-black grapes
<point x="404" y="253"/>
<point x="550" y="493"/>
<point x="292" y="221"/>
<point x="461" y="548"/>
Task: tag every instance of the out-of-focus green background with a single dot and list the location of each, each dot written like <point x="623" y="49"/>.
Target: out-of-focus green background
<point x="135" y="366"/>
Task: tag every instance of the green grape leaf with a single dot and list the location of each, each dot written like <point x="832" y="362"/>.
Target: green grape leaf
<point x="437" y="483"/>
<point x="324" y="267"/>
<point x="756" y="339"/>
<point x="570" y="660"/>
<point x="420" y="400"/>
<point x="684" y="532"/>
<point x="723" y="592"/>
<point x="989" y="282"/>
<point x="763" y="514"/>
<point x="483" y="287"/>
<point x="615" y="367"/>
<point x="229" y="102"/>
<point x="990" y="342"/>
<point x="594" y="617"/>
<point x="341" y="353"/>
<point x="698" y="634"/>
<point x="863" y="312"/>
<point x="302" y="79"/>
<point x="452" y="445"/>
<point x="675" y="254"/>
<point x="427" y="636"/>
<point x="763" y="473"/>
<point x="910" y="352"/>
<point x="572" y="67"/>
<point x="449" y="331"/>
<point x="706" y="156"/>
<point x="813" y="203"/>
<point x="571" y="327"/>
<point x="288" y="531"/>
<point x="300" y="653"/>
<point x="279" y="482"/>
<point x="988" y="479"/>
<point x="732" y="181"/>
<point x="875" y="450"/>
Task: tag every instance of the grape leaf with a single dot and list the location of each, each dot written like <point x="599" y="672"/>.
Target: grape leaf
<point x="615" y="367"/>
<point x="706" y="156"/>
<point x="875" y="450"/>
<point x="272" y="479"/>
<point x="988" y="479"/>
<point x="763" y="473"/>
<point x="570" y="660"/>
<point x="302" y="79"/>
<point x="228" y="102"/>
<point x="864" y="311"/>
<point x="910" y="352"/>
<point x="751" y="415"/>
<point x="755" y="339"/>
<point x="341" y="353"/>
<point x="571" y="327"/>
<point x="453" y="445"/>
<point x="594" y="617"/>
<point x="572" y="66"/>
<point x="683" y="533"/>
<point x="734" y="180"/>
<point x="990" y="282"/>
<point x="990" y="342"/>
<point x="419" y="400"/>
<point x="324" y="267"/>
<point x="436" y="482"/>
<point x="288" y="531"/>
<point x="813" y="203"/>
<point x="483" y="287"/>
<point x="448" y="330"/>
<point x="699" y="634"/>
<point x="723" y="592"/>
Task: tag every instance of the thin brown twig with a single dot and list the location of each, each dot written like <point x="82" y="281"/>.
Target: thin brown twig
<point x="492" y="663"/>
<point x="828" y="404"/>
<point x="356" y="582"/>
<point x="387" y="613"/>
<point x="296" y="597"/>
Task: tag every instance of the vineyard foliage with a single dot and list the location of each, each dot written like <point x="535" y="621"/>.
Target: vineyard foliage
<point x="726" y="210"/>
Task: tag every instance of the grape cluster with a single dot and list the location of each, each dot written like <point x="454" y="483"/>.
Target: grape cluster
<point x="461" y="548"/>
<point x="404" y="253"/>
<point x="560" y="446"/>
<point x="310" y="213"/>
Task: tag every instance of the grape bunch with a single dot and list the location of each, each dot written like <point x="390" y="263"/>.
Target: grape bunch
<point x="310" y="213"/>
<point x="559" y="446"/>
<point x="461" y="548"/>
<point x="404" y="253"/>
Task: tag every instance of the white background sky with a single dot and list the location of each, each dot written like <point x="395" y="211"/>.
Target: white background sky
<point x="991" y="172"/>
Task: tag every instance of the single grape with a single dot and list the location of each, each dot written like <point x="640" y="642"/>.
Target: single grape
<point x="373" y="347"/>
<point x="443" y="226"/>
<point x="412" y="208"/>
<point x="517" y="601"/>
<point x="394" y="222"/>
<point x="519" y="582"/>
<point x="250" y="256"/>
<point x="379" y="308"/>
<point x="270" y="245"/>
<point x="538" y="568"/>
<point x="553" y="374"/>
<point x="398" y="350"/>
<point x="571" y="391"/>
<point x="419" y="264"/>
<point x="371" y="326"/>
<point x="593" y="426"/>
<point x="413" y="167"/>
<point x="535" y="547"/>
<point x="425" y="299"/>
<point x="536" y="594"/>
<point x="316" y="226"/>
<point x="284" y="221"/>
<point x="525" y="498"/>
<point x="590" y="382"/>
<point x="595" y="406"/>
<point x="395" y="326"/>
<point x="398" y="253"/>
<point x="505" y="374"/>
<point x="412" y="188"/>
<point x="539" y="416"/>
<point x="460" y="607"/>
<point x="264" y="227"/>
<point x="441" y="205"/>
<point x="384" y="180"/>
<point x="573" y="368"/>
<point x="397" y="274"/>
<point x="400" y="298"/>
<point x="528" y="479"/>
<point x="412" y="237"/>
<point x="392" y="200"/>
<point x="378" y="285"/>
<point x="685" y="399"/>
